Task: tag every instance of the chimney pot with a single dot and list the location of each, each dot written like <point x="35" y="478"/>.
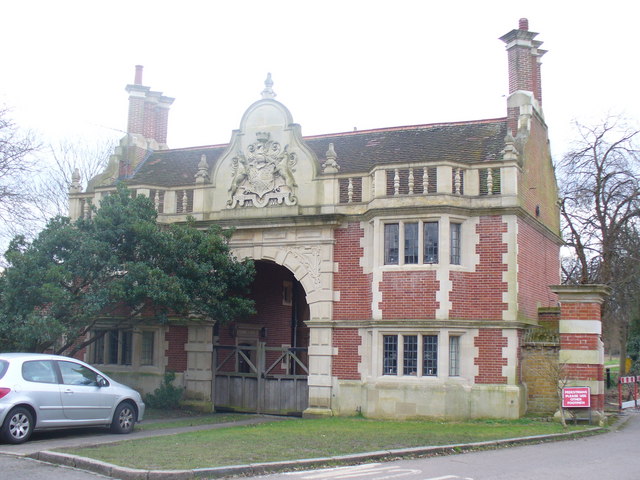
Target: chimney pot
<point x="138" y="78"/>
<point x="523" y="24"/>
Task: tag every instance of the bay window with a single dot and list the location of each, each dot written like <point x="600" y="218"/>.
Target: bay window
<point x="416" y="353"/>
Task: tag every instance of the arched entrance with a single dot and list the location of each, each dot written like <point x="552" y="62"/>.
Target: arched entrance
<point x="261" y="362"/>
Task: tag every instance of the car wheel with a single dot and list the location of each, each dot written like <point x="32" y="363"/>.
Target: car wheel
<point x="124" y="418"/>
<point x="18" y="425"/>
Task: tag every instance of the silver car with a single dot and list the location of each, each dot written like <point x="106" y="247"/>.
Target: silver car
<point x="39" y="391"/>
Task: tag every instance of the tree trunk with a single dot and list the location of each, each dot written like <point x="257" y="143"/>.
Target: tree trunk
<point x="624" y="336"/>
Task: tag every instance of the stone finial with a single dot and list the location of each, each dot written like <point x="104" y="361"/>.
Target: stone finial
<point x="268" y="88"/>
<point x="202" y="176"/>
<point x="509" y="152"/>
<point x="331" y="166"/>
<point x="75" y="186"/>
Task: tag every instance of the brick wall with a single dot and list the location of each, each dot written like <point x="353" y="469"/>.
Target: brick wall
<point x="580" y="311"/>
<point x="490" y="360"/>
<point x="579" y="341"/>
<point x="409" y="295"/>
<point x="582" y="371"/>
<point x="267" y="293"/>
<point x="176" y="337"/>
<point x="540" y="374"/>
<point x="538" y="267"/>
<point x="478" y="295"/>
<point x="538" y="190"/>
<point x="354" y="285"/>
<point x="549" y="318"/>
<point x="345" y="364"/>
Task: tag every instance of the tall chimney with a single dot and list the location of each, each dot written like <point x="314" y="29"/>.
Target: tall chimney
<point x="524" y="60"/>
<point x="147" y="122"/>
<point x="138" y="77"/>
<point x="524" y="57"/>
<point x="148" y="111"/>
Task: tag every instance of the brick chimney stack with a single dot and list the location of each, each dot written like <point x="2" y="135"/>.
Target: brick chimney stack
<point x="147" y="123"/>
<point x="524" y="59"/>
<point x="524" y="56"/>
<point x="148" y="111"/>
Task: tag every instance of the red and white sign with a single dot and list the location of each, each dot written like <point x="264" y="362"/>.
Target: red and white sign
<point x="576" y="397"/>
<point x="629" y="379"/>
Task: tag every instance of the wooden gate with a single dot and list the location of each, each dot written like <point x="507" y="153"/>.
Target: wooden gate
<point x="245" y="382"/>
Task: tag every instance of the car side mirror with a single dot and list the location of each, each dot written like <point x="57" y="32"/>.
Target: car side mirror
<point x="102" y="382"/>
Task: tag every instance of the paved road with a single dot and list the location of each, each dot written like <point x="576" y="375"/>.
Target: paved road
<point x="27" y="469"/>
<point x="614" y="455"/>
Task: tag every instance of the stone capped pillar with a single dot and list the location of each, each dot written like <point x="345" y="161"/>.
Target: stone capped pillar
<point x="581" y="347"/>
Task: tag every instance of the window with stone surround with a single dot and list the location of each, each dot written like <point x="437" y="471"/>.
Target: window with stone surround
<point x="147" y="350"/>
<point x="411" y="242"/>
<point x="454" y="243"/>
<point x="414" y="355"/>
<point x="419" y="242"/>
<point x="123" y="346"/>
<point x="454" y="356"/>
<point x="430" y="242"/>
<point x="391" y="243"/>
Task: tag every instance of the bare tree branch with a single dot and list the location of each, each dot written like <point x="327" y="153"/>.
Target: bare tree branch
<point x="600" y="209"/>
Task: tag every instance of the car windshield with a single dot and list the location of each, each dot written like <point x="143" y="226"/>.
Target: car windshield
<point x="3" y="367"/>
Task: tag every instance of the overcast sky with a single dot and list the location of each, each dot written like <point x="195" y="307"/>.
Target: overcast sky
<point x="335" y="64"/>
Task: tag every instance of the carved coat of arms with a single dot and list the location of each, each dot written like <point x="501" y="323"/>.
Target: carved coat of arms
<point x="264" y="176"/>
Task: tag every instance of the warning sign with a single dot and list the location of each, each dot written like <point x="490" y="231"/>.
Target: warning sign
<point x="576" y="397"/>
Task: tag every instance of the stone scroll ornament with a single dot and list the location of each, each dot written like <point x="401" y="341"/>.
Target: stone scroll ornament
<point x="264" y="177"/>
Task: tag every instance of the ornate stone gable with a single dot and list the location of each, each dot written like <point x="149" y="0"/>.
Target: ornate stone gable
<point x="267" y="164"/>
<point x="264" y="176"/>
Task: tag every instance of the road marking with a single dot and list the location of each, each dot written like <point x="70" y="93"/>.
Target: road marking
<point x="449" y="477"/>
<point x="375" y="471"/>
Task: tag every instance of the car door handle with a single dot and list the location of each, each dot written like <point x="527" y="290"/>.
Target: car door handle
<point x="68" y="390"/>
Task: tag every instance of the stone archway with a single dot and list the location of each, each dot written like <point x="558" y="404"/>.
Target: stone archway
<point x="308" y="254"/>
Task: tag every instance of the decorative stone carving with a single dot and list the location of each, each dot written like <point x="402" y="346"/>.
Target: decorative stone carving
<point x="76" y="186"/>
<point x="202" y="176"/>
<point x="331" y="166"/>
<point x="411" y="180"/>
<point x="457" y="181"/>
<point x="268" y="88"/>
<point x="489" y="181"/>
<point x="510" y="152"/>
<point x="264" y="176"/>
<point x="309" y="257"/>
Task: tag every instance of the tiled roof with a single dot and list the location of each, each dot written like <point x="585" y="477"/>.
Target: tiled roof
<point x="358" y="151"/>
<point x="174" y="168"/>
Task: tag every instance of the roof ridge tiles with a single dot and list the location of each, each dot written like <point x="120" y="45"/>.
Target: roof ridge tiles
<point x="407" y="127"/>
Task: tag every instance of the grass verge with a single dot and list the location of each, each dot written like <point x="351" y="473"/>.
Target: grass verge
<point x="164" y="423"/>
<point x="303" y="438"/>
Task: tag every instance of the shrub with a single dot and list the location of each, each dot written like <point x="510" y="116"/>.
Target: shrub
<point x="167" y="396"/>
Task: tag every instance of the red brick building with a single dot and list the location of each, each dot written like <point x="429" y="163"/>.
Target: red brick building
<point x="396" y="268"/>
